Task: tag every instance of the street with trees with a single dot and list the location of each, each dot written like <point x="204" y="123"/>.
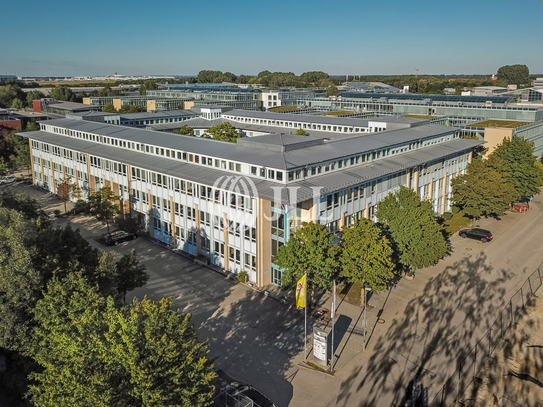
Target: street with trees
<point x="418" y="240"/>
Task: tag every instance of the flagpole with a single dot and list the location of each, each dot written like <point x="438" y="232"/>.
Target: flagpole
<point x="333" y="325"/>
<point x="305" y="311"/>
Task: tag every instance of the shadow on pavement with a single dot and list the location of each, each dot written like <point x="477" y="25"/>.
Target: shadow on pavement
<point x="435" y="332"/>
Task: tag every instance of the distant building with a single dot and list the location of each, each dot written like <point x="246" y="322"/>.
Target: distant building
<point x="4" y="78"/>
<point x="61" y="107"/>
<point x="488" y="90"/>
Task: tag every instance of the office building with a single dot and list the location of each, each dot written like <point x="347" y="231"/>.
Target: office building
<point x="234" y="204"/>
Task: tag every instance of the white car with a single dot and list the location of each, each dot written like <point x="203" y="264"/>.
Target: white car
<point x="8" y="180"/>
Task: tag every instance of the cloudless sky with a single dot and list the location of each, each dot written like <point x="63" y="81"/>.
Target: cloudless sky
<point x="180" y="37"/>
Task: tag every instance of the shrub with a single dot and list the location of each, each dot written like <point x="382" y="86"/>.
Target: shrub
<point x="447" y="216"/>
<point x="455" y="209"/>
<point x="243" y="276"/>
<point x="57" y="213"/>
<point x="82" y="206"/>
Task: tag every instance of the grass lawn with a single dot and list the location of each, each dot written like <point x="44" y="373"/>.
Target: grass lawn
<point x="509" y="124"/>
<point x="457" y="222"/>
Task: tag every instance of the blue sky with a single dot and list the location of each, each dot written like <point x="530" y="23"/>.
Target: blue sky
<point x="362" y="37"/>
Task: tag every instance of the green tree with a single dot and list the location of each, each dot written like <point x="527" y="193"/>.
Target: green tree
<point x="62" y="93"/>
<point x="518" y="165"/>
<point x="189" y="131"/>
<point x="417" y="238"/>
<point x="94" y="353"/>
<point x="301" y="132"/>
<point x="103" y="205"/>
<point x="21" y="149"/>
<point x="313" y="76"/>
<point x="331" y="91"/>
<point x="130" y="274"/>
<point x="109" y="108"/>
<point x="17" y="104"/>
<point x="20" y="279"/>
<point x="224" y="131"/>
<point x="514" y="74"/>
<point x="131" y="109"/>
<point x="482" y="190"/>
<point x="367" y="255"/>
<point x="31" y="126"/>
<point x="309" y="250"/>
<point x="9" y="93"/>
<point x="33" y="95"/>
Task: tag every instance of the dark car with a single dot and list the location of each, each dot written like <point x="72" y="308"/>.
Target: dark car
<point x="525" y="199"/>
<point x="477" y="234"/>
<point x="119" y="236"/>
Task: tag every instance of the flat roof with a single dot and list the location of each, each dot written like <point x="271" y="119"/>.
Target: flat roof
<point x="159" y="114"/>
<point x="331" y="150"/>
<point x="328" y="182"/>
<point x="437" y="98"/>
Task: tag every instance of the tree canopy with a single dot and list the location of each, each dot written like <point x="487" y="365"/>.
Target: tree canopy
<point x="366" y="255"/>
<point x="186" y="130"/>
<point x="518" y="165"/>
<point x="331" y="91"/>
<point x="482" y="190"/>
<point x="62" y="93"/>
<point x="103" y="205"/>
<point x="514" y="74"/>
<point x="94" y="353"/>
<point x="418" y="240"/>
<point x="309" y="250"/>
<point x="224" y="131"/>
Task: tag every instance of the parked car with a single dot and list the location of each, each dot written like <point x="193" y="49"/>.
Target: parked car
<point x="477" y="234"/>
<point x="119" y="236"/>
<point x="8" y="179"/>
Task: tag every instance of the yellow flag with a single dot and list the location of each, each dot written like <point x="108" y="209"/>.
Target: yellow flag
<point x="300" y="293"/>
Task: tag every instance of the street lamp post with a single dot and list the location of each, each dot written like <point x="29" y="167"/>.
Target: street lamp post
<point x="366" y="289"/>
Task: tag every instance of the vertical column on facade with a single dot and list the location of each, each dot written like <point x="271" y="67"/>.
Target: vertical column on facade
<point x="198" y="239"/>
<point x="263" y="243"/>
<point x="416" y="180"/>
<point x="431" y="193"/>
<point x="367" y="211"/>
<point x="42" y="172"/>
<point x="225" y="238"/>
<point x="32" y="171"/>
<point x="52" y="166"/>
<point x="90" y="178"/>
<point x="408" y="179"/>
<point x="76" y="182"/>
<point x="444" y="193"/>
<point x="150" y="210"/>
<point x="470" y="156"/>
<point x="341" y="220"/>
<point x="172" y="218"/>
<point x="63" y="172"/>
